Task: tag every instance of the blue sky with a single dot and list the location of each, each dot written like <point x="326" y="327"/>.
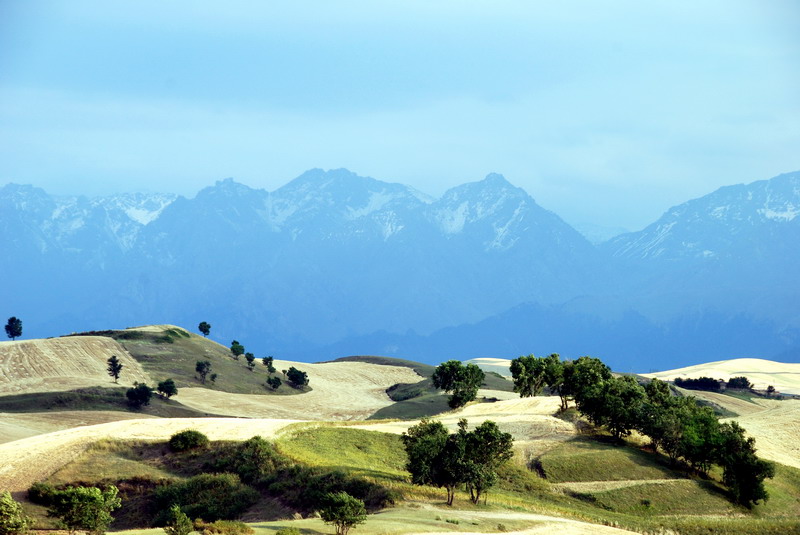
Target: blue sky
<point x="606" y="113"/>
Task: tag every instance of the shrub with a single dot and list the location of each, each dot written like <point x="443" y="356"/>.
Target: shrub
<point x="85" y="508"/>
<point x="209" y="496"/>
<point x="223" y="527"/>
<point x="177" y="522"/>
<point x="139" y="395"/>
<point x="41" y="493"/>
<point x="252" y="460"/>
<point x="187" y="440"/>
<point x="13" y="520"/>
<point x="343" y="511"/>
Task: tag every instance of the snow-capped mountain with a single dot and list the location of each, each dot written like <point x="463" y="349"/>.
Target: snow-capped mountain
<point x="335" y="260"/>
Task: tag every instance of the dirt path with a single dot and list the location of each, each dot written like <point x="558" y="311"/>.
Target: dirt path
<point x="341" y="391"/>
<point x="32" y="459"/>
<point x="59" y="364"/>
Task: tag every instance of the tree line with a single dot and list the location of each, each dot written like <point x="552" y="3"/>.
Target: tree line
<point x="678" y="426"/>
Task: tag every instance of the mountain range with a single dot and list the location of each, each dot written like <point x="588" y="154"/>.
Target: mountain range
<point x="334" y="264"/>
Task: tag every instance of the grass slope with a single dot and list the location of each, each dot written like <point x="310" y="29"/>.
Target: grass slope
<point x="172" y="352"/>
<point x="420" y="399"/>
<point x="93" y="399"/>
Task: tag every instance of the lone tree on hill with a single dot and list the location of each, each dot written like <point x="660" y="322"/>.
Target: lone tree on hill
<point x="462" y="381"/>
<point x="203" y="367"/>
<point x="114" y="367"/>
<point x="167" y="388"/>
<point x="204" y="328"/>
<point x="237" y="349"/>
<point x="251" y="360"/>
<point x="296" y="377"/>
<point x="14" y="327"/>
<point x="343" y="511"/>
<point x="268" y="362"/>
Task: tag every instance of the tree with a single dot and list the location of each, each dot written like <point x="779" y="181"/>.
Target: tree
<point x="770" y="391"/>
<point x="554" y="378"/>
<point x="13" y="520"/>
<point x="213" y="378"/>
<point x="528" y="374"/>
<point x="167" y="388"/>
<point x="741" y="382"/>
<point x="438" y="458"/>
<point x="615" y="403"/>
<point x="203" y="368"/>
<point x="85" y="508"/>
<point x="487" y="448"/>
<point x="139" y="395"/>
<point x="177" y="522"/>
<point x="114" y="367"/>
<point x="237" y="349"/>
<point x="274" y="382"/>
<point x="204" y="328"/>
<point x="268" y="362"/>
<point x="14" y="327"/>
<point x="296" y="377"/>
<point x="583" y="376"/>
<point x="343" y="511"/>
<point x="462" y="381"/>
<point x="251" y="360"/>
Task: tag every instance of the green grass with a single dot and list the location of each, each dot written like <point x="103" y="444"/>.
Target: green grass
<point x="678" y="497"/>
<point x="174" y="352"/>
<point x="94" y="399"/>
<point x="587" y="459"/>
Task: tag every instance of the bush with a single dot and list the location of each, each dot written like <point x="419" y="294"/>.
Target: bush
<point x="139" y="395"/>
<point x="208" y="496"/>
<point x="223" y="527"/>
<point x="343" y="511"/>
<point x="177" y="522"/>
<point x="84" y="508"/>
<point x="253" y="460"/>
<point x="13" y="520"/>
<point x="41" y="493"/>
<point x="296" y="377"/>
<point x="187" y="440"/>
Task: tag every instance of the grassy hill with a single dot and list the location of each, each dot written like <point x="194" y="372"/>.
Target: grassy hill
<point x="171" y="352"/>
<point x="419" y="399"/>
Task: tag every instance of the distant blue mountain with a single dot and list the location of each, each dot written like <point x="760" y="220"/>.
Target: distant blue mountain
<point x="333" y="264"/>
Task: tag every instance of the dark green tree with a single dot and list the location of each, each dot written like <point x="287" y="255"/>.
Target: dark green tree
<point x="296" y="377"/>
<point x="343" y="511"/>
<point x="585" y="375"/>
<point x="273" y="382"/>
<point x="177" y="522"/>
<point x="251" y="360"/>
<point x="529" y="376"/>
<point x="616" y="403"/>
<point x="203" y="368"/>
<point x="85" y="508"/>
<point x="487" y="448"/>
<point x="204" y="328"/>
<point x="424" y="443"/>
<point x="213" y="378"/>
<point x="462" y="381"/>
<point x="139" y="395"/>
<point x="114" y="367"/>
<point x="167" y="388"/>
<point x="13" y="520"/>
<point x="237" y="349"/>
<point x="14" y="328"/>
<point x="743" y="471"/>
<point x="268" y="362"/>
<point x="742" y="383"/>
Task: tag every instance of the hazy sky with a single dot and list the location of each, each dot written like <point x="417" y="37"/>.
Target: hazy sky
<point x="605" y="112"/>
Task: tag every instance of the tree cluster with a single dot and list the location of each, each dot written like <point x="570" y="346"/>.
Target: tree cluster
<point x="296" y="377"/>
<point x="139" y="396"/>
<point x="676" y="425"/>
<point x="701" y="383"/>
<point x="84" y="508"/>
<point x="462" y="381"/>
<point x="471" y="458"/>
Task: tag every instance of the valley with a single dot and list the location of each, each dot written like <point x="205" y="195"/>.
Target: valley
<point x="565" y="474"/>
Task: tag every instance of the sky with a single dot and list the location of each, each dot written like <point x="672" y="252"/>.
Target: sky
<point x="607" y="113"/>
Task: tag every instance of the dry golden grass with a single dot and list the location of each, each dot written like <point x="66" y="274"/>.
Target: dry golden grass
<point x="59" y="364"/>
<point x="340" y="391"/>
<point x="785" y="377"/>
<point x="16" y="426"/>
